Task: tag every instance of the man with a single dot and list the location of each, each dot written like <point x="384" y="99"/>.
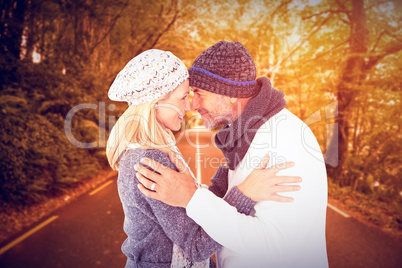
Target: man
<point x="255" y="122"/>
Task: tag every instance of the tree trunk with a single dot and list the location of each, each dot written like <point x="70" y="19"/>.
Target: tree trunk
<point x="31" y="30"/>
<point x="12" y="26"/>
<point x="350" y="80"/>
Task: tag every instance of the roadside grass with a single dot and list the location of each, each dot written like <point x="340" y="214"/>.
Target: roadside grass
<point x="371" y="209"/>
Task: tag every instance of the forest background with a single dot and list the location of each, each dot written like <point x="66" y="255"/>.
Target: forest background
<point x="338" y="61"/>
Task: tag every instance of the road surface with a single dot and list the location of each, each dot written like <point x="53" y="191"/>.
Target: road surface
<point x="88" y="232"/>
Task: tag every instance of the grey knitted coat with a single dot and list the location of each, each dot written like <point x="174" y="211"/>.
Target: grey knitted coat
<point x="152" y="226"/>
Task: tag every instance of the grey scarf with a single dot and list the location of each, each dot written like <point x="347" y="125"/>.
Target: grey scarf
<point x="235" y="139"/>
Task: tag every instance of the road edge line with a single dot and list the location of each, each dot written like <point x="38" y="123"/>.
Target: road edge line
<point x="100" y="187"/>
<point x="338" y="210"/>
<point x="27" y="234"/>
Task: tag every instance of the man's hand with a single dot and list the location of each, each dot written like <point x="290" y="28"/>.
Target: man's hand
<point x="262" y="184"/>
<point x="171" y="187"/>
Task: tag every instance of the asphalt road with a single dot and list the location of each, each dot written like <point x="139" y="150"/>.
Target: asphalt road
<point x="88" y="232"/>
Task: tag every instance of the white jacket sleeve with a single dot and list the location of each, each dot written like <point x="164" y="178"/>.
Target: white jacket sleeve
<point x="233" y="230"/>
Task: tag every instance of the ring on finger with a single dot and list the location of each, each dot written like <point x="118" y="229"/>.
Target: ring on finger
<point x="153" y="186"/>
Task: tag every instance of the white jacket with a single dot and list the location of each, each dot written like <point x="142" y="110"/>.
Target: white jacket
<point x="278" y="234"/>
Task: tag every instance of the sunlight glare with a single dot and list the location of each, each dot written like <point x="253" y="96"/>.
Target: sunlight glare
<point x="36" y="57"/>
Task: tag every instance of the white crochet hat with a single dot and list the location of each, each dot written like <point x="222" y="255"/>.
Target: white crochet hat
<point x="147" y="77"/>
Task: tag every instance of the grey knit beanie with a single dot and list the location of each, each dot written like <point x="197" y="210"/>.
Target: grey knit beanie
<point x="226" y="68"/>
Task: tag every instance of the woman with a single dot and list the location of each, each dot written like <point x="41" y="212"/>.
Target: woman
<point x="155" y="84"/>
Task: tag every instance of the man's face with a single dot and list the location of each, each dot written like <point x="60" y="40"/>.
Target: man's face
<point x="216" y="110"/>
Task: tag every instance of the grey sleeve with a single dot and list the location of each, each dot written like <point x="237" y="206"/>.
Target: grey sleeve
<point x="242" y="203"/>
<point x="235" y="198"/>
<point x="182" y="230"/>
<point x="219" y="182"/>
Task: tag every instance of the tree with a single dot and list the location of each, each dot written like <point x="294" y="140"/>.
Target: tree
<point x="357" y="65"/>
<point x="11" y="29"/>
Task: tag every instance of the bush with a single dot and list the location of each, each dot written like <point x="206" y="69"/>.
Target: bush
<point x="36" y="158"/>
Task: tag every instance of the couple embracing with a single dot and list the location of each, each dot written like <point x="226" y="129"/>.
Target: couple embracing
<point x="173" y="221"/>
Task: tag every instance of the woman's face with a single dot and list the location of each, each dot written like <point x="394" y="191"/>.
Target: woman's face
<point x="170" y="111"/>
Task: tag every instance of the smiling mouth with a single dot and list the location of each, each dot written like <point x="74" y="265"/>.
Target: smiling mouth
<point x="181" y="117"/>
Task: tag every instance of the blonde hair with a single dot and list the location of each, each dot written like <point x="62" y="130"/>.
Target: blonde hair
<point x="138" y="125"/>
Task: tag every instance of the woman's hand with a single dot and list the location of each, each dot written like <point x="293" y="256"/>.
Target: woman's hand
<point x="262" y="184"/>
<point x="171" y="187"/>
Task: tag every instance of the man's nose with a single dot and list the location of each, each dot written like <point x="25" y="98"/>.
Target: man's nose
<point x="187" y="107"/>
<point x="195" y="103"/>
